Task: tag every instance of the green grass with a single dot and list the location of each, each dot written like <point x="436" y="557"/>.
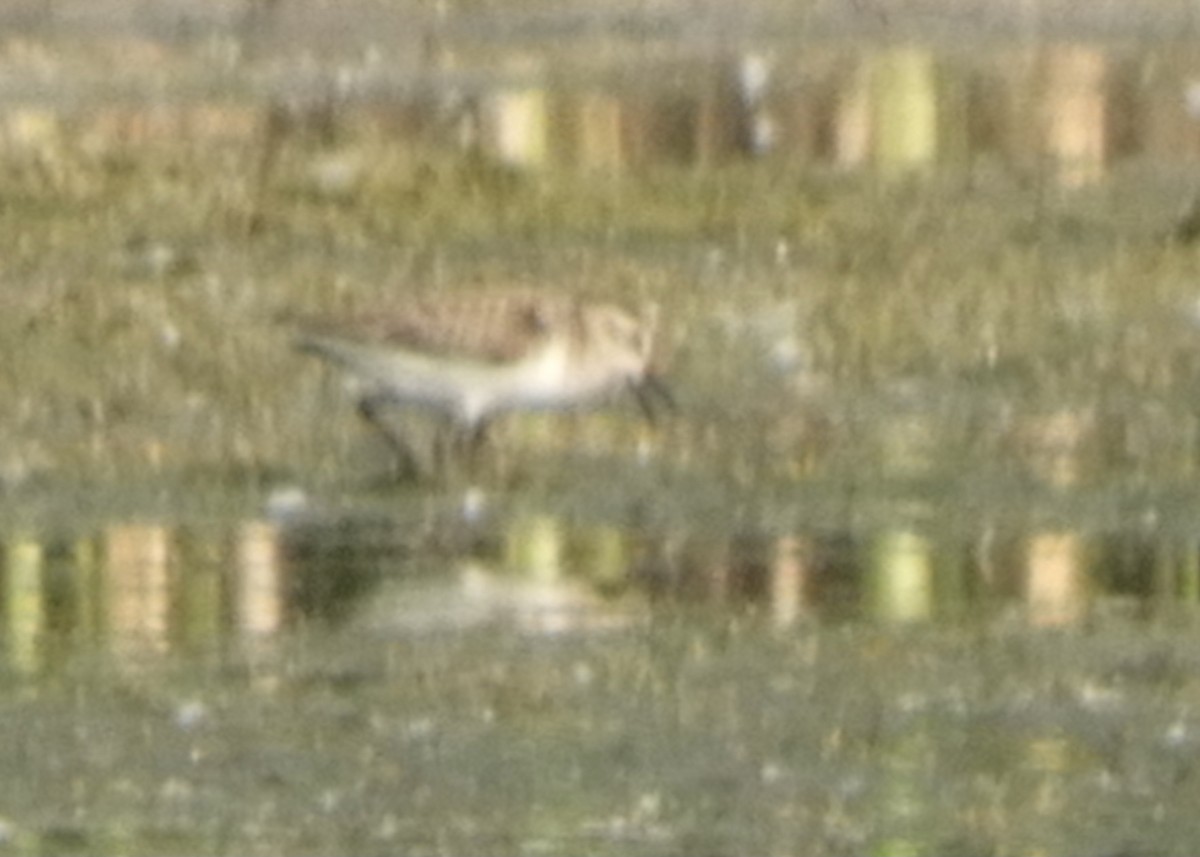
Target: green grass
<point x="141" y="333"/>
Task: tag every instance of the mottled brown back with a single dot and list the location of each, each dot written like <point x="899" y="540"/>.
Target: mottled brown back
<point x="488" y="327"/>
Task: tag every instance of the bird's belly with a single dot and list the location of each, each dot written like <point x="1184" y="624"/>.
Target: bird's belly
<point x="471" y="390"/>
<point x="439" y="383"/>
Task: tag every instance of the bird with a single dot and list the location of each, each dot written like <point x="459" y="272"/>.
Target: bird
<point x="469" y="358"/>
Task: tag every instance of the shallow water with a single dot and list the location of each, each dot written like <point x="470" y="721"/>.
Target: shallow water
<point x="446" y="673"/>
<point x="913" y="569"/>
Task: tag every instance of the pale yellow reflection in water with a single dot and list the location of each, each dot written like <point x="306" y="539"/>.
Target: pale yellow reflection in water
<point x="142" y="591"/>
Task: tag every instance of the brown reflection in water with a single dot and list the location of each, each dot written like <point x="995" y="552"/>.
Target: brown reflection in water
<point x="892" y="108"/>
<point x="258" y="604"/>
<point x="143" y="590"/>
<point x="786" y="575"/>
<point x="1074" y="111"/>
<point x="850" y="131"/>
<point x="659" y="127"/>
<point x="136" y="575"/>
<point x="589" y="131"/>
<point x="130" y="125"/>
<point x="893" y="574"/>
<point x="790" y="570"/>
<point x="139" y="590"/>
<point x="896" y="109"/>
<point x="1056" y="579"/>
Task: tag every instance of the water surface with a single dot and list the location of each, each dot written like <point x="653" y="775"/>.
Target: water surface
<point x="914" y="568"/>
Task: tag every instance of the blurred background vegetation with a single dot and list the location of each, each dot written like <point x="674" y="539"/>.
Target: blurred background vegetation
<point x="889" y="238"/>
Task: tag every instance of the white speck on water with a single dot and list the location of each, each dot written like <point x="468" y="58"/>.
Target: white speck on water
<point x="286" y="502"/>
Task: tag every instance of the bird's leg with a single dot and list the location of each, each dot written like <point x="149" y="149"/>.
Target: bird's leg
<point x="371" y="409"/>
<point x="475" y="438"/>
<point x="460" y="446"/>
<point x="651" y="392"/>
<point x="443" y="448"/>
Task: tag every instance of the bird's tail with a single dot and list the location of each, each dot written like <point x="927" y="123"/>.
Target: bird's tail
<point x="335" y="351"/>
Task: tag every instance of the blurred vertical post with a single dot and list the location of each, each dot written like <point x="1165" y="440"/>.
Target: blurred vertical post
<point x="904" y="109"/>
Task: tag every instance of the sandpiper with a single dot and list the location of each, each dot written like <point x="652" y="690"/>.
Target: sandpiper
<point x="470" y="358"/>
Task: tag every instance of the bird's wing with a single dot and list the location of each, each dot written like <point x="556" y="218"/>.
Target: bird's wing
<point x="487" y="328"/>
